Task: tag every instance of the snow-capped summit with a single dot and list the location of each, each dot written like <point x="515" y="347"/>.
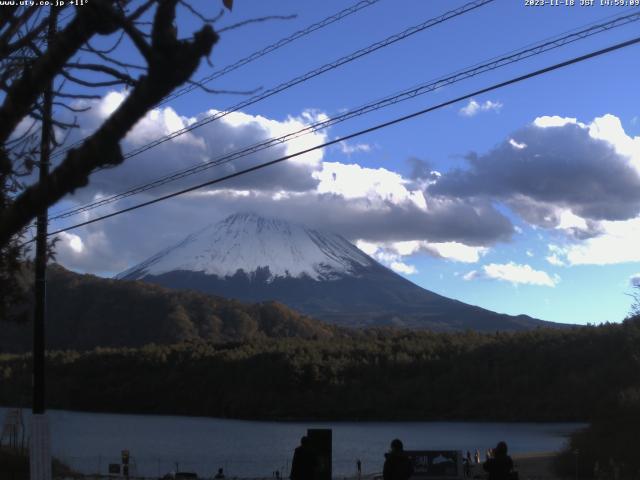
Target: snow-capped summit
<point x="247" y="242"/>
<point x="252" y="258"/>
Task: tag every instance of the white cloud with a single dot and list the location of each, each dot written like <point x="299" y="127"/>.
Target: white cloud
<point x="617" y="244"/>
<point x="84" y="253"/>
<point x="472" y="108"/>
<point x="402" y="267"/>
<point x="392" y="251"/>
<point x="516" y="145"/>
<point x="456" y="251"/>
<point x="514" y="273"/>
<point x="555" y="121"/>
<point x="609" y="128"/>
<point x="388" y="256"/>
<point x="570" y="176"/>
<point x="233" y="132"/>
<point x="529" y="253"/>
<point x="472" y="275"/>
<point x="73" y="241"/>
<point x="350" y="149"/>
<point x="378" y="185"/>
<point x="369" y="248"/>
<point x="568" y="220"/>
<point x="109" y="103"/>
<point x="554" y="259"/>
<point x="555" y="255"/>
<point x="379" y="205"/>
<point x="276" y="128"/>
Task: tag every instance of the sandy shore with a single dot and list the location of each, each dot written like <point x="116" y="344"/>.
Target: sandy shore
<point x="530" y="466"/>
<point x="534" y="466"/>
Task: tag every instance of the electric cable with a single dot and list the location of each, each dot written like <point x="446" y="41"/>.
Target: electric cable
<point x="305" y="77"/>
<point x="477" y="69"/>
<point x="271" y="48"/>
<point x="254" y="56"/>
<point x="379" y="126"/>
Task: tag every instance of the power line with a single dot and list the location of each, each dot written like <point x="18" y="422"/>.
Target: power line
<point x="254" y="56"/>
<point x="316" y="72"/>
<point x="477" y="69"/>
<point x="379" y="126"/>
<point x="311" y="74"/>
<point x="271" y="48"/>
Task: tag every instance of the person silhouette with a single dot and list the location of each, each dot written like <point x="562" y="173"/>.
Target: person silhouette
<point x="397" y="465"/>
<point x="499" y="465"/>
<point x="467" y="464"/>
<point x="304" y="461"/>
<point x="220" y="474"/>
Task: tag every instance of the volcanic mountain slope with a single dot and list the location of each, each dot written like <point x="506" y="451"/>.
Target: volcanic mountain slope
<point x="252" y="258"/>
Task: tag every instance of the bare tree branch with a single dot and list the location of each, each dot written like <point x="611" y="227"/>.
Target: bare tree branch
<point x="13" y="28"/>
<point x="114" y="61"/>
<point x="90" y="83"/>
<point x="227" y="92"/>
<point x="7" y="48"/>
<point x="103" y="69"/>
<point x="171" y="63"/>
<point x="95" y="17"/>
<point x="256" y="20"/>
<point x="56" y="122"/>
<point x="138" y="39"/>
<point x="137" y="13"/>
<point x="77" y="96"/>
<point x="199" y="15"/>
<point x="7" y="15"/>
<point x="107" y="51"/>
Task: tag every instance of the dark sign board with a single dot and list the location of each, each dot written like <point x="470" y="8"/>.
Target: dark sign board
<point x="436" y="464"/>
<point x="320" y="440"/>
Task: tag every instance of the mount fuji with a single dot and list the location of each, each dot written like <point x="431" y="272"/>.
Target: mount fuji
<point x="252" y="258"/>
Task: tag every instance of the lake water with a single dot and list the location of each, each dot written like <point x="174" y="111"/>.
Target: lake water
<point x="90" y="441"/>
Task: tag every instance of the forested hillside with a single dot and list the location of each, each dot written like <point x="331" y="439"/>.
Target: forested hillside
<point x="544" y="375"/>
<point x="85" y="311"/>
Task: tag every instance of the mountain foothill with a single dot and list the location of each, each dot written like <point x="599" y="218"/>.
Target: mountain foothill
<point x="244" y="278"/>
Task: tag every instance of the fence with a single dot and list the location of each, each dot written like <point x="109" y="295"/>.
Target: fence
<point x="156" y="467"/>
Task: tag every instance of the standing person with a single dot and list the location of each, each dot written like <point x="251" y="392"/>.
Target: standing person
<point x="220" y="474"/>
<point x="397" y="465"/>
<point x="359" y="468"/>
<point x="467" y="464"/>
<point x="304" y="461"/>
<point x="596" y="470"/>
<point x="477" y="455"/>
<point x="500" y="464"/>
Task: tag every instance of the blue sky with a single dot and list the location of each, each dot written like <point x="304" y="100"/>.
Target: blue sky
<point x="542" y="222"/>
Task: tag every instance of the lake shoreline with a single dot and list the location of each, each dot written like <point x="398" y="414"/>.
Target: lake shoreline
<point x="89" y="442"/>
<point x="277" y="419"/>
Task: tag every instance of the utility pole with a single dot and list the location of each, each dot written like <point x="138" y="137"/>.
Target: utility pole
<point x="40" y="447"/>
